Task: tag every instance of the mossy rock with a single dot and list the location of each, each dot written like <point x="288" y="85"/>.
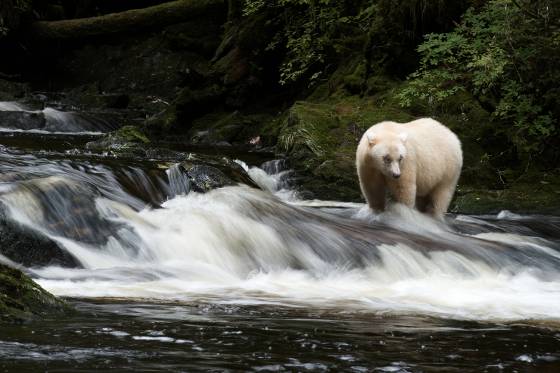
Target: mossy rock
<point x="128" y="140"/>
<point x="21" y="299"/>
<point x="321" y="137"/>
<point x="131" y="134"/>
<point x="206" y="173"/>
<point x="532" y="192"/>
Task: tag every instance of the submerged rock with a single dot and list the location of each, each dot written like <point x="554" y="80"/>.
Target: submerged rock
<point x="204" y="178"/>
<point x="28" y="248"/>
<point x="21" y="299"/>
<point x="213" y="174"/>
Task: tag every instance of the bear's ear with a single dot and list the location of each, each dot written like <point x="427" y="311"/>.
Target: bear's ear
<point x="371" y="138"/>
<point x="403" y="136"/>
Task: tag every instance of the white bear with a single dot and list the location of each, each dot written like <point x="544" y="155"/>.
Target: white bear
<point x="418" y="163"/>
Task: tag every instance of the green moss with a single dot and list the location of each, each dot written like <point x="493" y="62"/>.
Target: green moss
<point x="132" y="134"/>
<point x="22" y="299"/>
<point x="519" y="198"/>
<point x="321" y="138"/>
<point x="127" y="141"/>
<point x="354" y="82"/>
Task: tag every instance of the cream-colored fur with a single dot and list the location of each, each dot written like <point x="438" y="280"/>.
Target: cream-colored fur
<point x="418" y="163"/>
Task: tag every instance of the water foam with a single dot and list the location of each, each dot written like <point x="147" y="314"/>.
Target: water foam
<point x="213" y="247"/>
<point x="241" y="245"/>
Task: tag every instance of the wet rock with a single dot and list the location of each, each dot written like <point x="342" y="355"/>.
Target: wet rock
<point x="63" y="207"/>
<point x="28" y="248"/>
<point x="207" y="173"/>
<point x="21" y="299"/>
<point x="127" y="140"/>
<point x="204" y="178"/>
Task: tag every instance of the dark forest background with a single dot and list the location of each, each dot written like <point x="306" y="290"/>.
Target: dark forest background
<point x="305" y="78"/>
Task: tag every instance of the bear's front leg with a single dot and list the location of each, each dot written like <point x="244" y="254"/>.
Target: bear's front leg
<point x="403" y="190"/>
<point x="375" y="196"/>
<point x="373" y="188"/>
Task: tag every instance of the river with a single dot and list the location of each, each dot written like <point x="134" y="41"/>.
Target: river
<point x="168" y="278"/>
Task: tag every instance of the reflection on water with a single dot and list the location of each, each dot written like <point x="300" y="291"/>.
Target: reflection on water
<point x="202" y="336"/>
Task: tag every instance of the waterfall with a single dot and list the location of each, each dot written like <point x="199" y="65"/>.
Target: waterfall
<point x="141" y="231"/>
<point x="15" y="117"/>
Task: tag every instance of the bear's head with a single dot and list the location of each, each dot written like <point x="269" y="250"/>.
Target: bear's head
<point x="388" y="151"/>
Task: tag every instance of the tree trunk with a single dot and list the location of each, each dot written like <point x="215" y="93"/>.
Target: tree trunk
<point x="235" y="8"/>
<point x="131" y="20"/>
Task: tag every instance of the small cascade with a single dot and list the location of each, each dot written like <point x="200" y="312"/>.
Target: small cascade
<point x="63" y="121"/>
<point x="273" y="176"/>
<point x="184" y="232"/>
<point x="17" y="117"/>
<point x="11" y="106"/>
<point x="179" y="183"/>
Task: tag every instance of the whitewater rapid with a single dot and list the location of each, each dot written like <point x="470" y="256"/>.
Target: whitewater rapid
<point x="240" y="245"/>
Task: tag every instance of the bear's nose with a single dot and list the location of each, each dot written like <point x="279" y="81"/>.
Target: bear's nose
<point x="396" y="176"/>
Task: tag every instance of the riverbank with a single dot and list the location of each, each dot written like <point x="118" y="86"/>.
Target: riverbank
<point x="224" y="79"/>
<point x="21" y="299"/>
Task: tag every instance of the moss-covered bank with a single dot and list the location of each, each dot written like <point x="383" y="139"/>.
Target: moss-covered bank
<point x="320" y="136"/>
<point x="21" y="299"/>
<point x="215" y="80"/>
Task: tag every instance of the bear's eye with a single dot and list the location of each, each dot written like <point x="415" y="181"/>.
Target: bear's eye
<point x="400" y="158"/>
<point x="387" y="159"/>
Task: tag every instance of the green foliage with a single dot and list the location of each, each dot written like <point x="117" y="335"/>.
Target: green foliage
<point x="308" y="32"/>
<point x="506" y="54"/>
<point x="300" y="136"/>
<point x="313" y="36"/>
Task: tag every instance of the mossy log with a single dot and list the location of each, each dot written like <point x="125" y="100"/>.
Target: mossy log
<point x="128" y="21"/>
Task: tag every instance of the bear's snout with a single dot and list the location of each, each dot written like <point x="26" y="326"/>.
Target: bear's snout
<point x="396" y="175"/>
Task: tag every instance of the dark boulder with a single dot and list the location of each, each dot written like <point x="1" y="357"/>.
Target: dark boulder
<point x="28" y="248"/>
<point x="204" y="178"/>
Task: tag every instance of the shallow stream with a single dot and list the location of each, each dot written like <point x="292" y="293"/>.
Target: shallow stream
<point x="246" y="278"/>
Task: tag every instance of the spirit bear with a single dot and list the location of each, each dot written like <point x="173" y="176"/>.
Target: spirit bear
<point x="418" y="163"/>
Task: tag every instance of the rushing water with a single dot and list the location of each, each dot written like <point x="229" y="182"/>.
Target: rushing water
<point x="19" y="118"/>
<point x="241" y="278"/>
